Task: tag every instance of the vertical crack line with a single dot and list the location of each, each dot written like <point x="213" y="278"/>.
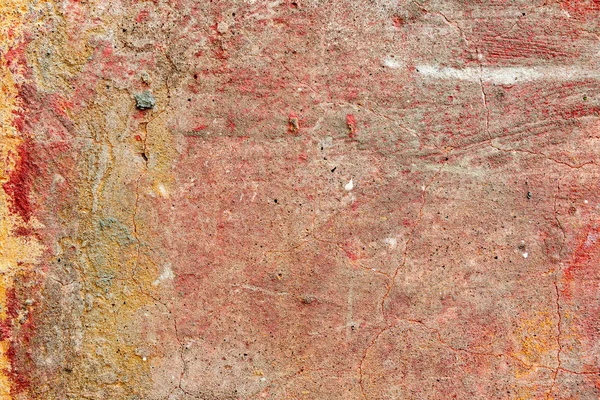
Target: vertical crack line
<point x="393" y="278"/>
<point x="157" y="300"/>
<point x="184" y="367"/>
<point x="410" y="239"/>
<point x="484" y="99"/>
<point x="449" y="22"/>
<point x="135" y="228"/>
<point x="154" y="298"/>
<point x="101" y="173"/>
<point x="558" y="339"/>
<point x="361" y="379"/>
<point x="560" y="225"/>
<point x="144" y="126"/>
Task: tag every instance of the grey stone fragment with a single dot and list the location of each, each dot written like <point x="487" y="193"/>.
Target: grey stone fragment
<point x="144" y="100"/>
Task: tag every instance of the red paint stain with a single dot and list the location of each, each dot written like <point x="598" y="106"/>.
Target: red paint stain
<point x="23" y="231"/>
<point x="230" y="125"/>
<point x="351" y="255"/>
<point x="579" y="295"/>
<point x="20" y="181"/>
<point x="109" y="64"/>
<point x="581" y="264"/>
<point x="398" y="21"/>
<point x="220" y="53"/>
<point x="581" y="9"/>
<point x="142" y="16"/>
<point x="529" y="40"/>
<point x="59" y="105"/>
<point x="18" y="380"/>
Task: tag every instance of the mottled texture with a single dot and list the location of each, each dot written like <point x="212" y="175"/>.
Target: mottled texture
<point x="253" y="199"/>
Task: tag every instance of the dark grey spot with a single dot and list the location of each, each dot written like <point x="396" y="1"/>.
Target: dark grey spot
<point x="144" y="100"/>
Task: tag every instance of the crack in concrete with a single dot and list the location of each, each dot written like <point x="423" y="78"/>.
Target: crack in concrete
<point x="444" y="343"/>
<point x="140" y="285"/>
<point x="558" y="340"/>
<point x="449" y="22"/>
<point x="573" y="166"/>
<point x="440" y="339"/>
<point x="411" y="234"/>
<point x="555" y="211"/>
<point x="484" y="99"/>
<point x="390" y="286"/>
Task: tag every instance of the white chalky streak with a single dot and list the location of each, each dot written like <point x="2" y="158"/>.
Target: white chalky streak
<point x="509" y="75"/>
<point x="166" y="275"/>
<point x="392" y="63"/>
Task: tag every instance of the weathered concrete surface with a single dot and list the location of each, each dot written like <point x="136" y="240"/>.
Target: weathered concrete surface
<point x="305" y="199"/>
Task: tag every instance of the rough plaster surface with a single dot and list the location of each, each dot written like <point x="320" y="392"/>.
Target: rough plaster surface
<point x="341" y="199"/>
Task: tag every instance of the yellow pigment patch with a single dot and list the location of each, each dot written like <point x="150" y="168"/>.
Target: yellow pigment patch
<point x="113" y="225"/>
<point x="537" y="338"/>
